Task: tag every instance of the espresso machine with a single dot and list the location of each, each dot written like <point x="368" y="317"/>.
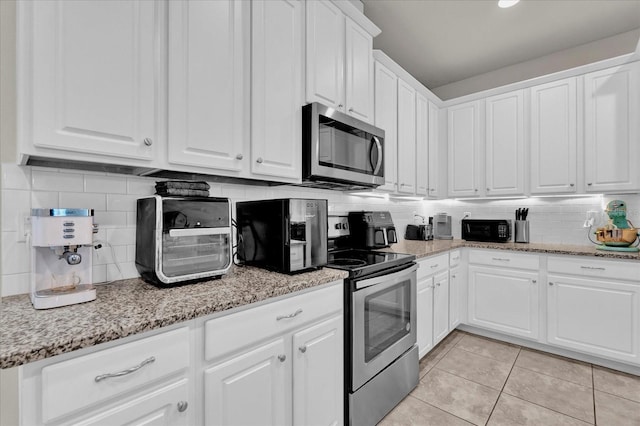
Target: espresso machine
<point x="61" y="244"/>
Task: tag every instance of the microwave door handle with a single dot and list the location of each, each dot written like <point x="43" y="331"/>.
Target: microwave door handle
<point x="379" y="147"/>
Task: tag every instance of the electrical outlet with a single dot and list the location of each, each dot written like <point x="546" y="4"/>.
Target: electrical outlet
<point x="24" y="228"/>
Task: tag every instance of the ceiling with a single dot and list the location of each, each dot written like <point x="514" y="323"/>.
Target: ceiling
<point x="444" y="41"/>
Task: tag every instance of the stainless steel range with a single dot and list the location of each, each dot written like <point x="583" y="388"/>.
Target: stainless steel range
<point x="381" y="354"/>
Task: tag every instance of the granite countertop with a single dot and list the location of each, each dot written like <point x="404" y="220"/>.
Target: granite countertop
<point x="128" y="307"/>
<point x="429" y="248"/>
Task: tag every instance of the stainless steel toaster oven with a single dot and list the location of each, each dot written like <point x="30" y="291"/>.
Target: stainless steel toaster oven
<point x="182" y="239"/>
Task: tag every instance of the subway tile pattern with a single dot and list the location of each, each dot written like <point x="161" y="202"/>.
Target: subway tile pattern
<point x="469" y="379"/>
<point x="112" y="196"/>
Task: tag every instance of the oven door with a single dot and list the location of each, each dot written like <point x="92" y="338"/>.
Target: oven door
<point x="383" y="322"/>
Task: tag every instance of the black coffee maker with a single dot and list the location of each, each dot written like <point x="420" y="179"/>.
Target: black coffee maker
<point x="372" y="230"/>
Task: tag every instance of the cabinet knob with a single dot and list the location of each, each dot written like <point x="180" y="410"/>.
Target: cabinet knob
<point x="431" y="189"/>
<point x="239" y="157"/>
<point x="589" y="184"/>
<point x="340" y="105"/>
<point x="488" y="189"/>
<point x="476" y="190"/>
<point x="534" y="281"/>
<point x="350" y="109"/>
<point x="182" y="406"/>
<point x="303" y="349"/>
<point x="282" y="357"/>
<point x="453" y="276"/>
<point x="259" y="160"/>
<point x="438" y="284"/>
<point x="550" y="283"/>
<point x="148" y="141"/>
<point x="571" y="184"/>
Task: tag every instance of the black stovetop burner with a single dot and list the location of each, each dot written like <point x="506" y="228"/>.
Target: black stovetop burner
<point x="364" y="262"/>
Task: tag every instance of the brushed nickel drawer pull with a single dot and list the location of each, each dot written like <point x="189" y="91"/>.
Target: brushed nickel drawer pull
<point x="592" y="268"/>
<point x="296" y="313"/>
<point x="501" y="259"/>
<point x="434" y="266"/>
<point x="127" y="371"/>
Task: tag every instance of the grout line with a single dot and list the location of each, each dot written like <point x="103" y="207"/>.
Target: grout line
<point x="550" y="409"/>
<point x="593" y="387"/>
<point x="559" y="378"/>
<point x="464" y="378"/>
<point x="503" y="385"/>
<point x="488" y="357"/>
<point x="444" y="411"/>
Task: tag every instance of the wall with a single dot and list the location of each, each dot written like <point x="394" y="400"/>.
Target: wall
<point x="553" y="220"/>
<point x="609" y="47"/>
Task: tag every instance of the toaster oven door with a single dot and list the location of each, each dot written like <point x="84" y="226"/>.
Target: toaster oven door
<point x="192" y="253"/>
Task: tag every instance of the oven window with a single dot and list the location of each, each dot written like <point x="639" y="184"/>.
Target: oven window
<point x="387" y="316"/>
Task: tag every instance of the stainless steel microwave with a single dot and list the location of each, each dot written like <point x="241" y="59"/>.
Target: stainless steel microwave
<point x="339" y="150"/>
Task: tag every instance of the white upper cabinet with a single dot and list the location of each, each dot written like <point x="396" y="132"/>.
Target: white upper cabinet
<point x="358" y="72"/>
<point x="553" y="137"/>
<point x="208" y="84"/>
<point x="89" y="80"/>
<point x="504" y="166"/>
<point x="437" y="155"/>
<point x="464" y="140"/>
<point x="339" y="61"/>
<point x="406" y="138"/>
<point x="612" y="147"/>
<point x="422" y="145"/>
<point x="276" y="88"/>
<point x="325" y="54"/>
<point x="386" y="118"/>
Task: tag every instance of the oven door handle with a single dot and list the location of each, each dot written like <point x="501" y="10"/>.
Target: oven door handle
<point x="385" y="278"/>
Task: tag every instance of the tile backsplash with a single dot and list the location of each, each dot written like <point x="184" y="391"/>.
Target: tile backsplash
<point x="113" y="197"/>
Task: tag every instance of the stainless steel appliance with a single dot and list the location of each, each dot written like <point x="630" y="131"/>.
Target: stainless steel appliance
<point x="422" y="232"/>
<point x="381" y="354"/>
<point x="489" y="230"/>
<point x="339" y="150"/>
<point x="284" y="235"/>
<point x="441" y="226"/>
<point x="182" y="239"/>
<point x="372" y="229"/>
<point x="61" y="255"/>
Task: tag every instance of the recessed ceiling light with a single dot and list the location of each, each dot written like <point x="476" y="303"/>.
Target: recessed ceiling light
<point x="507" y="3"/>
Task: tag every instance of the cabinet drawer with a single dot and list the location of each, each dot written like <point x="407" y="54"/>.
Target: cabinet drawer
<point x="589" y="267"/>
<point x="454" y="258"/>
<point x="89" y="379"/>
<point x="432" y="265"/>
<point x="229" y="333"/>
<point x="504" y="259"/>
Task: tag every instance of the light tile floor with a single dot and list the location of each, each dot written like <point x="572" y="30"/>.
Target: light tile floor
<point x="468" y="379"/>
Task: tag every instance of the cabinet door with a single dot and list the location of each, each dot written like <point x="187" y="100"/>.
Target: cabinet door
<point x="208" y="84"/>
<point x="165" y="406"/>
<point x="594" y="316"/>
<point x="504" y="300"/>
<point x="358" y="72"/>
<point x="440" y="306"/>
<point x="504" y="166"/>
<point x="424" y="315"/>
<point x="422" y="145"/>
<point x="276" y="88"/>
<point x="464" y="149"/>
<point x="92" y="78"/>
<point x="553" y="137"/>
<point x="612" y="151"/>
<point x="435" y="166"/>
<point x="318" y="380"/>
<point x="455" y="293"/>
<point x="252" y="388"/>
<point x="325" y="54"/>
<point x="386" y="118"/>
<point x="406" y="138"/>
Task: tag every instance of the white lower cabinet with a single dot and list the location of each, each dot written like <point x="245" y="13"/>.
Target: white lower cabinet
<point x="278" y="364"/>
<point x="504" y="300"/>
<point x="432" y="302"/>
<point x="141" y="382"/>
<point x="257" y="376"/>
<point x="594" y="315"/>
<point x="456" y="288"/>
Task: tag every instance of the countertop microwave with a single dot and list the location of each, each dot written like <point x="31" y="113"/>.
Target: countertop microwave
<point x="488" y="230"/>
<point x="339" y="151"/>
